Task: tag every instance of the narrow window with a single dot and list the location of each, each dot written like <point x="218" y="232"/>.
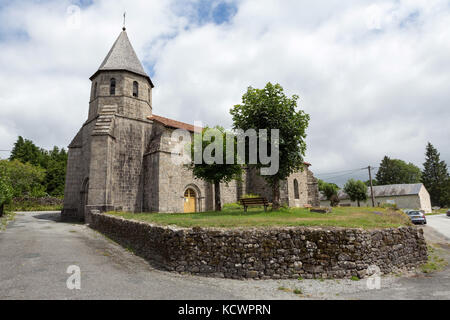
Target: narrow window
<point x="112" y="87"/>
<point x="95" y="90"/>
<point x="135" y="89"/>
<point x="296" y="194"/>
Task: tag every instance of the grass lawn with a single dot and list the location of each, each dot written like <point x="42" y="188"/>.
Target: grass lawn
<point x="440" y="211"/>
<point x="233" y="217"/>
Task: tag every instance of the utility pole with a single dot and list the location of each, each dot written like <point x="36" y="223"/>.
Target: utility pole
<point x="371" y="187"/>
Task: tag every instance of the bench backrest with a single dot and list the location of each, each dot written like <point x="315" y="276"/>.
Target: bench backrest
<point x="254" y="201"/>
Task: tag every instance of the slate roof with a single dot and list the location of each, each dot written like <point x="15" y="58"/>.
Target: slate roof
<point x="390" y="190"/>
<point x="123" y="57"/>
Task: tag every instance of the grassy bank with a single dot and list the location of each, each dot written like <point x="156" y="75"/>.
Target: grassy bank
<point x="232" y="217"/>
<point x="436" y="261"/>
<point x="5" y="219"/>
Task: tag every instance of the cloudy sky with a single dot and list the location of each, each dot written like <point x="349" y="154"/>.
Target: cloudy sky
<point x="373" y="75"/>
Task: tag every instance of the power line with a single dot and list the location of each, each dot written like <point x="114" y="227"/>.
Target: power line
<point x="345" y="174"/>
<point x="336" y="172"/>
<point x="339" y="173"/>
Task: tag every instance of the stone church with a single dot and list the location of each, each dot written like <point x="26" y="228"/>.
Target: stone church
<point x="120" y="160"/>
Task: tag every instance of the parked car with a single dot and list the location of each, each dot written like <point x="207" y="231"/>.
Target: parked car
<point x="448" y="213"/>
<point x="417" y="217"/>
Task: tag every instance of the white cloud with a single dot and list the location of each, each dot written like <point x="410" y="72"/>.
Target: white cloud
<point x="373" y="74"/>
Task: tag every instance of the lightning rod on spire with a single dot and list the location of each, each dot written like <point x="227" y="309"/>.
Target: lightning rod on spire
<point x="124" y="19"/>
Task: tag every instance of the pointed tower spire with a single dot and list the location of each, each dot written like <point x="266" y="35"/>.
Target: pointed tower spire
<point x="122" y="57"/>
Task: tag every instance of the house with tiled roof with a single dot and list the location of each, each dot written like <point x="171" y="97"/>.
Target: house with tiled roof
<point x="122" y="158"/>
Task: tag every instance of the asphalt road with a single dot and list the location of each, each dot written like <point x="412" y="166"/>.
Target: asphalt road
<point x="441" y="223"/>
<point x="36" y="251"/>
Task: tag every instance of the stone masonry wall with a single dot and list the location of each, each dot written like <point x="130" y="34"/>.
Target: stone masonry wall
<point x="275" y="253"/>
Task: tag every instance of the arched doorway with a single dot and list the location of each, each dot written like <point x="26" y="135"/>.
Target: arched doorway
<point x="190" y="201"/>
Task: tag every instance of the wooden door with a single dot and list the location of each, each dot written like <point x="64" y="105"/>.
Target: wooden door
<point x="189" y="201"/>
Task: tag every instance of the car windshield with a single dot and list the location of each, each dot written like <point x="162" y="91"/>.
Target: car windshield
<point x="414" y="213"/>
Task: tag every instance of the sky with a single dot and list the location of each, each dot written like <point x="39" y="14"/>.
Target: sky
<point x="374" y="76"/>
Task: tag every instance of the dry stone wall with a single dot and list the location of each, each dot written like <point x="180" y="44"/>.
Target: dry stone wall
<point x="275" y="253"/>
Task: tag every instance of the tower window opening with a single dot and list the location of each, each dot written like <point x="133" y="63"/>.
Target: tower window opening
<point x="135" y="89"/>
<point x="112" y="87"/>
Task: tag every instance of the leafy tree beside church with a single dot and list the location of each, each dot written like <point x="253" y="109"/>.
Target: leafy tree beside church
<point x="270" y="108"/>
<point x="219" y="171"/>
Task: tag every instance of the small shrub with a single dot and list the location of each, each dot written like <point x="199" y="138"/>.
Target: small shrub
<point x="392" y="206"/>
<point x="298" y="291"/>
<point x="334" y="200"/>
<point x="354" y="278"/>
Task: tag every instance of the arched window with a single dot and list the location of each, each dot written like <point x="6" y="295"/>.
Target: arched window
<point x="95" y="90"/>
<point x="112" y="86"/>
<point x="296" y="194"/>
<point x="135" y="89"/>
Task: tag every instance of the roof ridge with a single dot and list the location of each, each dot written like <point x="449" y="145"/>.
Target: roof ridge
<point x="172" y="123"/>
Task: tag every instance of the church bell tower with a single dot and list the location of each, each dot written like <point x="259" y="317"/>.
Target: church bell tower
<point x="122" y="82"/>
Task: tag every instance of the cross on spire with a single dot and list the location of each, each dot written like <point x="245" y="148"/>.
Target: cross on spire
<point x="124" y="19"/>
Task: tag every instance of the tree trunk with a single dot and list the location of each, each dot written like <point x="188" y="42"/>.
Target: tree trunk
<point x="276" y="195"/>
<point x="1" y="209"/>
<point x="359" y="205"/>
<point x="217" y="202"/>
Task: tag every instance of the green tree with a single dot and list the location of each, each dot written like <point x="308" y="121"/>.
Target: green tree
<point x="27" y="152"/>
<point x="6" y="192"/>
<point x="374" y="182"/>
<point x="435" y="177"/>
<point x="395" y="171"/>
<point x="330" y="190"/>
<point x="445" y="195"/>
<point x="54" y="162"/>
<point x="356" y="190"/>
<point x="24" y="178"/>
<point x="216" y="172"/>
<point x="56" y="172"/>
<point x="270" y="108"/>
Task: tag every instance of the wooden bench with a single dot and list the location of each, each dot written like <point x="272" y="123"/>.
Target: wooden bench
<point x="254" y="202"/>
